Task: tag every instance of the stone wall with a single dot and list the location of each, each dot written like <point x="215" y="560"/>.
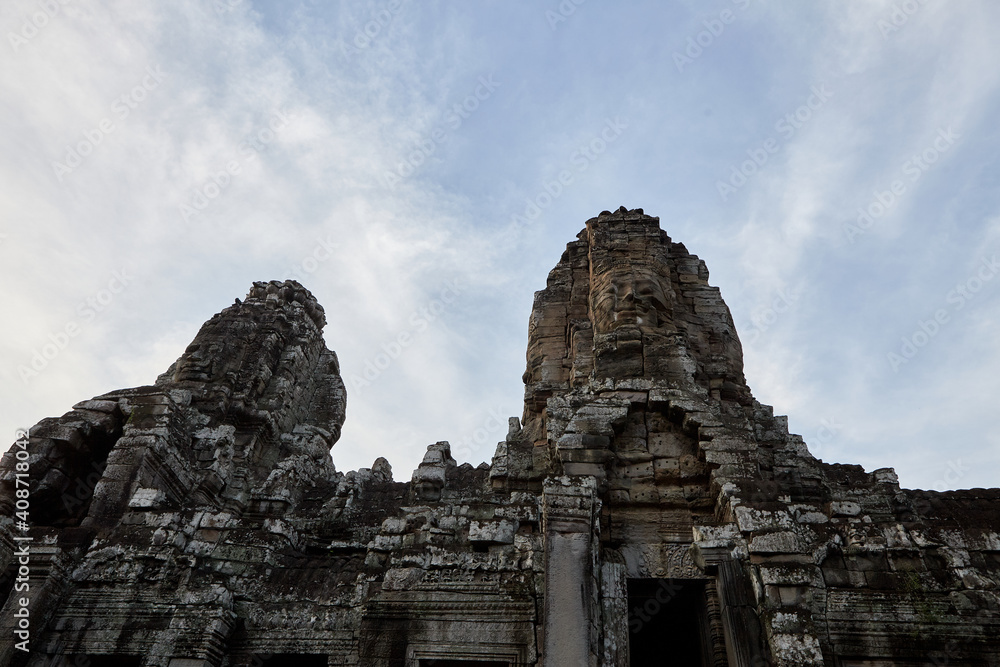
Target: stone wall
<point x="201" y="521"/>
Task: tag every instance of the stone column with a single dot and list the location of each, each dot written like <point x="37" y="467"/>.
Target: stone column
<point x="569" y="525"/>
<point x="614" y="607"/>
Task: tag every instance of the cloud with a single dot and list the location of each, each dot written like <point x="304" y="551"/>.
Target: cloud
<point x="264" y="150"/>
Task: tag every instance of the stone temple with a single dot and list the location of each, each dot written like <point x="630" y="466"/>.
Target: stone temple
<point x="644" y="510"/>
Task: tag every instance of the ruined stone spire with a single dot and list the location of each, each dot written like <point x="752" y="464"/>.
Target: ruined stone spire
<point x="626" y="308"/>
<point x="627" y="303"/>
<point x="252" y="407"/>
<point x="265" y="358"/>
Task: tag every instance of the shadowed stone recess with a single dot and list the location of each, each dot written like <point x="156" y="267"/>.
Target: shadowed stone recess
<point x="645" y="507"/>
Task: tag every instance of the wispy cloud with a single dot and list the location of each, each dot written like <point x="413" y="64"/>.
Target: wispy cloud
<point x="267" y="132"/>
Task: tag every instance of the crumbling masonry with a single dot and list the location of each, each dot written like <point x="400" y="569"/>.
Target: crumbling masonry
<point x="644" y="510"/>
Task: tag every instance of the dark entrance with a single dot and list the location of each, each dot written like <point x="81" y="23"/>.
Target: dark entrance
<point x="668" y="623"/>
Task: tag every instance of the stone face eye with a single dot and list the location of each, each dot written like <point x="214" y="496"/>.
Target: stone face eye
<point x="645" y="288"/>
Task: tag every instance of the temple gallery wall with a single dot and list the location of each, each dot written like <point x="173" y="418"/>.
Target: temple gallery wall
<point x="644" y="509"/>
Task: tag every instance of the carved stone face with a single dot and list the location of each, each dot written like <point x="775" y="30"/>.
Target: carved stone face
<point x="216" y="353"/>
<point x="225" y="349"/>
<point x="629" y="296"/>
<point x="199" y="362"/>
<point x="427" y="490"/>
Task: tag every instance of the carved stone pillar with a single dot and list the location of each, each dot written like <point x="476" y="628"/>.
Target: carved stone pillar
<point x="614" y="609"/>
<point x="569" y="525"/>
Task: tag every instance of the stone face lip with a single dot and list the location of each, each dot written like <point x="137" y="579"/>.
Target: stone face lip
<point x="644" y="504"/>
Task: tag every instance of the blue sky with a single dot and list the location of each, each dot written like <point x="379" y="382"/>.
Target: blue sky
<point x="834" y="164"/>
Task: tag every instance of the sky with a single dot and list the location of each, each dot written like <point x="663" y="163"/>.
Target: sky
<point x="420" y="166"/>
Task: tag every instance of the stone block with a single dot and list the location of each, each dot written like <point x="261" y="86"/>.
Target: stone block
<point x="845" y="508"/>
<point x="629" y="444"/>
<point x="497" y="532"/>
<point x="644" y="493"/>
<point x="789" y="574"/>
<point x="584" y="469"/>
<point x="777" y="543"/>
<point x="637" y="470"/>
<point x="670" y="445"/>
<point x="752" y="519"/>
<point x="836" y="577"/>
<point x="666" y="471"/>
<point x="586" y="455"/>
<point x="145" y="498"/>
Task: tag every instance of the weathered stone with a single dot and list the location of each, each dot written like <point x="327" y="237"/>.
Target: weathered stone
<point x="200" y="520"/>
